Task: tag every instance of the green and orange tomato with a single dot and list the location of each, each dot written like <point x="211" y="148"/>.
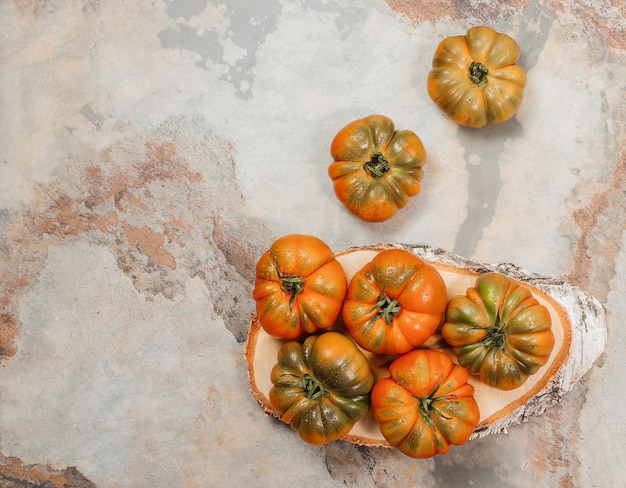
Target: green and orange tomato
<point x="321" y="387"/>
<point x="299" y="288"/>
<point x="394" y="303"/>
<point x="499" y="331"/>
<point x="376" y="169"/>
<point x="426" y="404"/>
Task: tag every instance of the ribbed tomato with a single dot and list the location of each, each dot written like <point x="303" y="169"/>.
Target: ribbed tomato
<point x="499" y="331"/>
<point x="394" y="303"/>
<point x="299" y="288"/>
<point x="475" y="79"/>
<point x="375" y="168"/>
<point x="321" y="387"/>
<point x="426" y="404"/>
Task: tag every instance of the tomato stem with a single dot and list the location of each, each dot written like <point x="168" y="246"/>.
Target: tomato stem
<point x="313" y="388"/>
<point x="377" y="166"/>
<point x="495" y="335"/>
<point x="387" y="308"/>
<point x="426" y="404"/>
<point x="291" y="284"/>
<point x="478" y="73"/>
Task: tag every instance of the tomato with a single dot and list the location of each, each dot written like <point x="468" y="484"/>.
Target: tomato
<point x="376" y="169"/>
<point x="475" y="79"/>
<point x="394" y="303"/>
<point x="321" y="387"/>
<point x="499" y="331"/>
<point x="426" y="404"/>
<point x="299" y="288"/>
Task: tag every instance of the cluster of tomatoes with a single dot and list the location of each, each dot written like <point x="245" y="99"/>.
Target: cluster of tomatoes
<point x="323" y="382"/>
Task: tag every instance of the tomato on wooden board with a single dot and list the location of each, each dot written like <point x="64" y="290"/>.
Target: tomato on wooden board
<point x="499" y="331"/>
<point x="426" y="404"/>
<point x="375" y="168"/>
<point x="475" y="79"/>
<point x="321" y="387"/>
<point x="299" y="288"/>
<point x="394" y="303"/>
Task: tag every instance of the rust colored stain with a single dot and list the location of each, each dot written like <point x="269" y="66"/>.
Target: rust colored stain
<point x="63" y="218"/>
<point x="174" y="231"/>
<point x="8" y="333"/>
<point x="8" y="324"/>
<point x="99" y="210"/>
<point x="13" y="473"/>
<point x="601" y="20"/>
<point x="124" y="187"/>
<point x="433" y="10"/>
<point x="163" y="163"/>
<point x="164" y="222"/>
<point x="151" y="243"/>
<point x="67" y="216"/>
<point x="600" y="234"/>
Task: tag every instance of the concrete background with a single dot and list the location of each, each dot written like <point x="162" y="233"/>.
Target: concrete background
<point x="150" y="151"/>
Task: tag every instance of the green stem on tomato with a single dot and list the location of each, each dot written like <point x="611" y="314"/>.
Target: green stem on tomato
<point x="377" y="166"/>
<point x="291" y="284"/>
<point x="427" y="404"/>
<point x="478" y="73"/>
<point x="313" y="389"/>
<point x="496" y="335"/>
<point x="387" y="308"/>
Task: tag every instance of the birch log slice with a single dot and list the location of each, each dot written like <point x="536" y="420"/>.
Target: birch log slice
<point x="578" y="324"/>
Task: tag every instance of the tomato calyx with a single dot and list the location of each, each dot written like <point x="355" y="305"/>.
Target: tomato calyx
<point x="291" y="284"/>
<point x="313" y="389"/>
<point x="495" y="335"/>
<point x="478" y="73"/>
<point x="387" y="308"/>
<point x="377" y="166"/>
<point x="426" y="405"/>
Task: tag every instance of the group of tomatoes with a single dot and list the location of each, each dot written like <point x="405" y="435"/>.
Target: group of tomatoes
<point x="475" y="80"/>
<point x="323" y="382"/>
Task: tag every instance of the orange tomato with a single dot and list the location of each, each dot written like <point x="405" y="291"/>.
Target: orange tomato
<point x="394" y="303"/>
<point x="299" y="288"/>
<point x="376" y="169"/>
<point x="426" y="404"/>
<point x="475" y="80"/>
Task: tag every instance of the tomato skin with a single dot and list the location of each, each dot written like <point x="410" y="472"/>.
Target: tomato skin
<point x="499" y="331"/>
<point x="339" y="369"/>
<point x="426" y="404"/>
<point x="370" y="194"/>
<point x="459" y="86"/>
<point x="318" y="287"/>
<point x="416" y="298"/>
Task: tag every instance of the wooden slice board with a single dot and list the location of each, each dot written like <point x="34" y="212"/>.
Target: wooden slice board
<point x="578" y="324"/>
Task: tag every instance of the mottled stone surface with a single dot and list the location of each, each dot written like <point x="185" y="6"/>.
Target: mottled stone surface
<point x="152" y="150"/>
